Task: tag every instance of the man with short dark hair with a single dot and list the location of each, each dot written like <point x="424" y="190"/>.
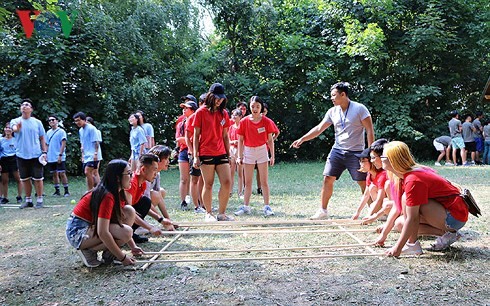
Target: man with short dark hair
<point x="147" y="171"/>
<point x="89" y="147"/>
<point x="457" y="141"/>
<point x="56" y="141"/>
<point x="31" y="150"/>
<point x="351" y="121"/>
<point x="467" y="131"/>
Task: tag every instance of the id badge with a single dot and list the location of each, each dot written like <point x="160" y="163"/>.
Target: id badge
<point x="261" y="130"/>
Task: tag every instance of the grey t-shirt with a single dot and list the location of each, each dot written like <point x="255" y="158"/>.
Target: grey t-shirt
<point x="454" y="125"/>
<point x="486" y="132"/>
<point x="444" y="140"/>
<point x="349" y="131"/>
<point x="468" y="132"/>
<point x="477" y="126"/>
<point x="152" y="186"/>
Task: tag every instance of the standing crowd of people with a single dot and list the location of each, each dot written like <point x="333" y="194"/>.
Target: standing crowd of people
<point x="215" y="141"/>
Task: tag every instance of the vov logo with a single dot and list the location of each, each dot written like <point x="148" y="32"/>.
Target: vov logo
<point x="47" y="24"/>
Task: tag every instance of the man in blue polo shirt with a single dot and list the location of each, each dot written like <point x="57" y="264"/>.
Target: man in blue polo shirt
<point x="30" y="150"/>
<point x="89" y="146"/>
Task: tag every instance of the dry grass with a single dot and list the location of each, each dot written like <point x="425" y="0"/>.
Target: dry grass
<point x="38" y="267"/>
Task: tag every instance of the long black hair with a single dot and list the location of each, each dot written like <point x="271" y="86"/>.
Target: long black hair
<point x="110" y="183"/>
<point x="210" y="101"/>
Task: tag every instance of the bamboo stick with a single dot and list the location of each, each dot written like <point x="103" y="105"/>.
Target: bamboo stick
<point x="154" y="258"/>
<point x="319" y="247"/>
<point x="265" y="222"/>
<point x="348" y="232"/>
<point x="270" y="231"/>
<point x="260" y="258"/>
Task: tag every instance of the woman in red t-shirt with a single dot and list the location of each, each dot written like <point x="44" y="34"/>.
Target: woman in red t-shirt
<point x="236" y="116"/>
<point x="102" y="222"/>
<point x="430" y="203"/>
<point x="254" y="135"/>
<point x="211" y="147"/>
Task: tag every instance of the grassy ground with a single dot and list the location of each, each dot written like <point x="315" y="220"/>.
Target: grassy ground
<point x="38" y="268"/>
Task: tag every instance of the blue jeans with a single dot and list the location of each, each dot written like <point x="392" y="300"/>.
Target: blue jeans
<point x="486" y="152"/>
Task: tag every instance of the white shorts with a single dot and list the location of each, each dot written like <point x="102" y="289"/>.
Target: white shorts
<point x="255" y="155"/>
<point x="233" y="152"/>
<point x="439" y="146"/>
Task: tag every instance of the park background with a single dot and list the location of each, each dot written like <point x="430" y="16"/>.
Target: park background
<point x="409" y="61"/>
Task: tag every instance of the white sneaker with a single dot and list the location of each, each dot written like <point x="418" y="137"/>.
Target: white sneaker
<point x="199" y="210"/>
<point x="448" y="164"/>
<point x="243" y="210"/>
<point x="444" y="241"/>
<point x="268" y="211"/>
<point x="321" y="214"/>
<point x="437" y="164"/>
<point x="210" y="218"/>
<point x="412" y="249"/>
<point x="141" y="231"/>
<point x="188" y="199"/>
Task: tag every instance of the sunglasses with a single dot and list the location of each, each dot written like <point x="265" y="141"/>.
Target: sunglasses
<point x="51" y="119"/>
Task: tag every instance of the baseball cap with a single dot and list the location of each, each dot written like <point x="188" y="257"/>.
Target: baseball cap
<point x="364" y="154"/>
<point x="189" y="97"/>
<point x="190" y="104"/>
<point x="218" y="90"/>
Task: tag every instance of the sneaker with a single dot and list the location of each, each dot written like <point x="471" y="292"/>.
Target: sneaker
<point x="67" y="194"/>
<point x="57" y="193"/>
<point x="268" y="211"/>
<point x="39" y="205"/>
<point x="243" y="210"/>
<point x="241" y="196"/>
<point x="448" y="164"/>
<point x="223" y="217"/>
<point x="199" y="210"/>
<point x="412" y="249"/>
<point x="444" y="241"/>
<point x="89" y="258"/>
<point x="321" y="214"/>
<point x="188" y="199"/>
<point x="108" y="258"/>
<point x="467" y="164"/>
<point x="184" y="206"/>
<point x="4" y="201"/>
<point x="437" y="164"/>
<point x="139" y="239"/>
<point x="26" y="204"/>
<point x="141" y="231"/>
<point x="19" y="200"/>
<point x="259" y="191"/>
<point x="210" y="218"/>
<point x="472" y="163"/>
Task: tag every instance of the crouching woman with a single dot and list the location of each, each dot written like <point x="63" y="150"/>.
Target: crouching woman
<point x="431" y="205"/>
<point x="102" y="222"/>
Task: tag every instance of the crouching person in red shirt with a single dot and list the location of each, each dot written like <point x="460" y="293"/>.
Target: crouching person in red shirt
<point x="102" y="222"/>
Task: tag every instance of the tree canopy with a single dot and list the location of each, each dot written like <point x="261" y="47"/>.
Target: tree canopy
<point x="409" y="61"/>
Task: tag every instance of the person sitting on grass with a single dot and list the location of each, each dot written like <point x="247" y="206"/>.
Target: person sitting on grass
<point x="153" y="189"/>
<point x="430" y="203"/>
<point x="375" y="186"/>
<point x="102" y="222"/>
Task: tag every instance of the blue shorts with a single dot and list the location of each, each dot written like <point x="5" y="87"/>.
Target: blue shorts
<point x="457" y="143"/>
<point x="479" y="144"/>
<point x="453" y="223"/>
<point x="76" y="231"/>
<point x="183" y="157"/>
<point x="339" y="160"/>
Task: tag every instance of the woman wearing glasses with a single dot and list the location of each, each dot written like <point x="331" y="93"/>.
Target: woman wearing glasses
<point x="430" y="204"/>
<point x="101" y="221"/>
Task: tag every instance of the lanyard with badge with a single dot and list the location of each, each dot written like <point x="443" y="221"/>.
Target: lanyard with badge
<point x="342" y="120"/>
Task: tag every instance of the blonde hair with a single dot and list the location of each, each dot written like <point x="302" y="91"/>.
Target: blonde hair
<point x="400" y="157"/>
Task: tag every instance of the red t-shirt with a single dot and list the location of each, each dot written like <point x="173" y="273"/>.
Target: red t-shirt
<point x="233" y="133"/>
<point x="189" y="126"/>
<point x="379" y="180"/>
<point x="424" y="184"/>
<point x="135" y="190"/>
<point x="212" y="125"/>
<point x="82" y="209"/>
<point x="180" y="132"/>
<point x="255" y="134"/>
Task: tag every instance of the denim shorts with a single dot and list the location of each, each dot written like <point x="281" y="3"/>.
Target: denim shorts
<point x="183" y="157"/>
<point x="76" y="231"/>
<point x="453" y="223"/>
<point x="340" y="160"/>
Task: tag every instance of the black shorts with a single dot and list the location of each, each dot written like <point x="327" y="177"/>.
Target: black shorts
<point x="142" y="207"/>
<point x="470" y="146"/>
<point x="58" y="167"/>
<point x="91" y="164"/>
<point x="30" y="168"/>
<point x="9" y="164"/>
<point x="215" y="160"/>
<point x="193" y="171"/>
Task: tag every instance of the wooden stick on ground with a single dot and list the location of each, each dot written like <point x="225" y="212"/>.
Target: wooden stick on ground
<point x="154" y="258"/>
<point x="293" y="226"/>
<point x="265" y="222"/>
<point x="259" y="258"/>
<point x="319" y="247"/>
<point x="349" y="232"/>
<point x="269" y="231"/>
